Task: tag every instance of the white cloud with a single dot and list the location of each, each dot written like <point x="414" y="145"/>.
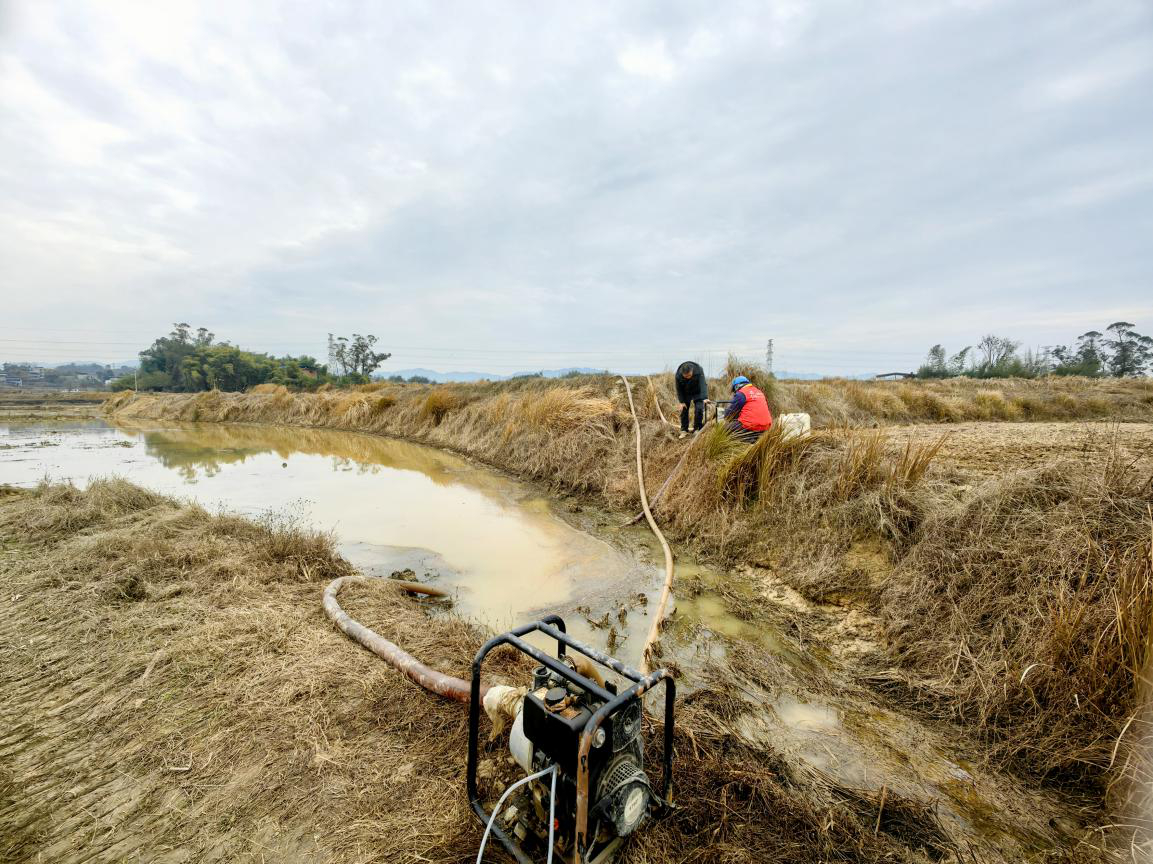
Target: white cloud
<point x="648" y="60"/>
<point x="609" y="178"/>
<point x="1099" y="76"/>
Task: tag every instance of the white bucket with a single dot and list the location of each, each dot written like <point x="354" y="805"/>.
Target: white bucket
<point x="795" y="426"/>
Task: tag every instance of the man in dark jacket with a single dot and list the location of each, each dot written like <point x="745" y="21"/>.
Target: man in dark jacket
<point x="691" y="387"/>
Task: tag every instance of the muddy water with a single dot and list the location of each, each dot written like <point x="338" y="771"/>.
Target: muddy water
<point x="501" y="548"/>
<point x="508" y="554"/>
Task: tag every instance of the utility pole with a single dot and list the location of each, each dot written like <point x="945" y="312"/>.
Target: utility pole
<point x="769" y="356"/>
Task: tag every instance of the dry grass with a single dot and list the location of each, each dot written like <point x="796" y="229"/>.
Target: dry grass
<point x="439" y="403"/>
<point x="1029" y="606"/>
<point x="172" y="691"/>
<point x="914" y="462"/>
<point x="564" y="408"/>
<point x="746" y="471"/>
<point x="860" y="465"/>
<point x="1030" y="568"/>
<point x="841" y="402"/>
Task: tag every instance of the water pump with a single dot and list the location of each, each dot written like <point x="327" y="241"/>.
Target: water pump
<point x="583" y="737"/>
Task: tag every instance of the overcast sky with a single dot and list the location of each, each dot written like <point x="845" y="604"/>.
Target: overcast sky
<point x="506" y="186"/>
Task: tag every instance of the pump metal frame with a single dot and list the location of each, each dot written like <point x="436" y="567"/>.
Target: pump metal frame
<point x="716" y="407"/>
<point x="553" y="626"/>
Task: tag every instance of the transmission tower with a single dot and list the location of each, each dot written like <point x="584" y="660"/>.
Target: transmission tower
<point x="769" y="356"/>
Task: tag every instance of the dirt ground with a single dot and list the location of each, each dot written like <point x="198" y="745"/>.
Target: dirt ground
<point x="989" y="449"/>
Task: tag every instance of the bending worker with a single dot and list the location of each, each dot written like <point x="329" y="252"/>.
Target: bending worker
<point x="692" y="387"/>
<point x="748" y="415"/>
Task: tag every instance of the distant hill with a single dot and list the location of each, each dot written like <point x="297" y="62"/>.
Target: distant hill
<point x="433" y="375"/>
<point x="785" y="375"/>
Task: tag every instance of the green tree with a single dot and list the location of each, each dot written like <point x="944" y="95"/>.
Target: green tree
<point x="996" y="357"/>
<point x="168" y="353"/>
<point x="188" y="361"/>
<point x="355" y="359"/>
<point x="1131" y="352"/>
<point x="957" y="361"/>
<point x="935" y="365"/>
<point x="1086" y="358"/>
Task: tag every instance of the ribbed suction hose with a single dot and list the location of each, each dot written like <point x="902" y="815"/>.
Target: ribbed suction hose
<point x="430" y="679"/>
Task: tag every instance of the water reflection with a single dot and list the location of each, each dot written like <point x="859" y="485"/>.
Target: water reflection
<point x="391" y="505"/>
<point x="195" y="449"/>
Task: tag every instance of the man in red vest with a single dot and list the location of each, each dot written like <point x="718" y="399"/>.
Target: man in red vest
<point x="748" y="415"/>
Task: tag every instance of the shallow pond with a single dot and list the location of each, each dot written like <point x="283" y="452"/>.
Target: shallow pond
<point x="500" y="547"/>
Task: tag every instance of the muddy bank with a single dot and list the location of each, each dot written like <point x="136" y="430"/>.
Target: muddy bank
<point x="173" y="692"/>
<point x="56" y="404"/>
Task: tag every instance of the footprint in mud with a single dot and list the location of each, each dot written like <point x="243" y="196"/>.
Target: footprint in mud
<point x="807" y="716"/>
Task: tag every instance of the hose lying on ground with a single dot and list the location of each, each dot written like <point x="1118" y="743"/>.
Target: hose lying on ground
<point x="668" y="480"/>
<point x="659" y="614"/>
<point x="447" y="686"/>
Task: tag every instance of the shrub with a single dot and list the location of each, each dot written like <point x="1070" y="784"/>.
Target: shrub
<point x="439" y="402"/>
<point x="761" y="377"/>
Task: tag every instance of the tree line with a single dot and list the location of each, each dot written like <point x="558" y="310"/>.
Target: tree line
<point x="189" y="361"/>
<point x="1119" y="352"/>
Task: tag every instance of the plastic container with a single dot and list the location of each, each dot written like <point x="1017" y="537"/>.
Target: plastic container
<point x="795" y="426"/>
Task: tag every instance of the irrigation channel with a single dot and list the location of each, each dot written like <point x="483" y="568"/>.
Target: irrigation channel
<point x="507" y="553"/>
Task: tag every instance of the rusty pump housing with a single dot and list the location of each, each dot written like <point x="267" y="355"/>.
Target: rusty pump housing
<point x="592" y="733"/>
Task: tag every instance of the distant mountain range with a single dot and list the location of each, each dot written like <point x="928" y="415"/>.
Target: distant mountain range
<point x="434" y="375"/>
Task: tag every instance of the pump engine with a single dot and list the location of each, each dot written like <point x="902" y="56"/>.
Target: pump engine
<point x="589" y="732"/>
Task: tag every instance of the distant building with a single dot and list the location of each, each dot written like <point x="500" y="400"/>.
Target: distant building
<point x="22" y="375"/>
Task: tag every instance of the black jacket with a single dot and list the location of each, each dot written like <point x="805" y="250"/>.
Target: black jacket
<point x="691" y="389"/>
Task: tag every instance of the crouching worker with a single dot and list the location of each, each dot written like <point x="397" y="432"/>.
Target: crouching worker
<point x="691" y="388"/>
<point x="748" y="415"/>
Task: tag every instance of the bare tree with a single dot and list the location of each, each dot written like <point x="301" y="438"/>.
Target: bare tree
<point x="355" y="357"/>
<point x="996" y="352"/>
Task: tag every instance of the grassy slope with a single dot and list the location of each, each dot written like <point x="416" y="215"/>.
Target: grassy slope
<point x="1045" y="570"/>
<point x="171" y="691"/>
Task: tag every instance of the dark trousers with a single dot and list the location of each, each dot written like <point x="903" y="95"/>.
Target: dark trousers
<point x="743" y="434"/>
<point x="698" y="415"/>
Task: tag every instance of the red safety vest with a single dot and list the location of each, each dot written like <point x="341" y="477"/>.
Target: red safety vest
<point x="755" y="415"/>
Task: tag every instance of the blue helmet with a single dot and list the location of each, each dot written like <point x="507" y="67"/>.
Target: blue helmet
<point x="739" y="382"/>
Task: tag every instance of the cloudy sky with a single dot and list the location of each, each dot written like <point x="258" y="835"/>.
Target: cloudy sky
<point x="507" y="186"/>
